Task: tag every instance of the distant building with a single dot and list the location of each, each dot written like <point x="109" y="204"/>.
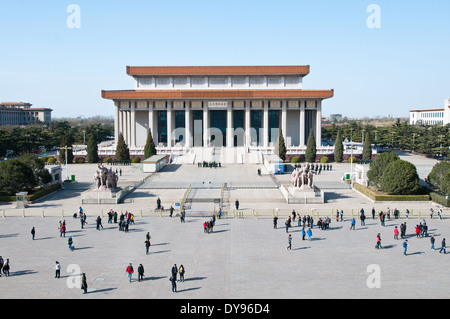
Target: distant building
<point x="431" y="116"/>
<point x="335" y="117"/>
<point x="19" y="113"/>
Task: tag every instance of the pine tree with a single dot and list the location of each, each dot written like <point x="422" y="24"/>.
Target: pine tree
<point x="92" y="150"/>
<point x="280" y="146"/>
<point x="367" y="147"/>
<point x="310" y="154"/>
<point x="150" y="148"/>
<point x="122" y="151"/>
<point x="338" y="148"/>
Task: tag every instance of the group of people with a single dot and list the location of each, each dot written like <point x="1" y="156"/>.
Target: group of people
<point x="173" y="278"/>
<point x="4" y="267"/>
<point x="209" y="225"/>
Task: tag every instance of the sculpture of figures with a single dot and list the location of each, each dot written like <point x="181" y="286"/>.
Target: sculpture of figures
<point x="302" y="177"/>
<point x="105" y="178"/>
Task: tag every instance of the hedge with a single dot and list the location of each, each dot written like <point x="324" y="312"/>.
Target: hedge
<point x="386" y="198"/>
<point x="440" y="199"/>
<point x="36" y="195"/>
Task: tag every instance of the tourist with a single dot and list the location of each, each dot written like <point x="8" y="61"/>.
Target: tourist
<point x="182" y="271"/>
<point x="432" y="240"/>
<point x="236" y="204"/>
<point x="424" y="229"/>
<point x="129" y="271"/>
<point x="373" y="212"/>
<point x="395" y="232"/>
<point x="405" y="247"/>
<point x="1" y="265"/>
<point x="171" y="211"/>
<point x="140" y="272"/>
<point x="158" y="203"/>
<point x="6" y="268"/>
<point x="286" y="224"/>
<point x="289" y="242"/>
<point x="378" y="245"/>
<point x="353" y="222"/>
<point x="443" y="246"/>
<point x="407" y="214"/>
<point x="275" y="221"/>
<point x="174" y="284"/>
<point x="70" y="243"/>
<point x="440" y="213"/>
<point x="342" y="215"/>
<point x="57" y="269"/>
<point x="174" y="272"/>
<point x="99" y="222"/>
<point x="33" y="232"/>
<point x="84" y="285"/>
<point x="303" y="233"/>
<point x="147" y="246"/>
<point x="293" y="215"/>
<point x="110" y="216"/>
<point x="337" y="215"/>
<point x="309" y="233"/>
<point x="417" y="231"/>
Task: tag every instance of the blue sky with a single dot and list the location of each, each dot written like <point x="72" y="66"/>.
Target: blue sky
<point x="389" y="70"/>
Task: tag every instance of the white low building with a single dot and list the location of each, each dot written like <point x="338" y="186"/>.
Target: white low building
<point x="431" y="116"/>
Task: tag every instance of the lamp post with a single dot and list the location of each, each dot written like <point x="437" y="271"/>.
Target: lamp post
<point x="66" y="148"/>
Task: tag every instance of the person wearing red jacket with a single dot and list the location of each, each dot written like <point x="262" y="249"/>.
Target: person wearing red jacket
<point x="130" y="271"/>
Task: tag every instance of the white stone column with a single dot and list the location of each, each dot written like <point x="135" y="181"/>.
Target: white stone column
<point x="266" y="124"/>
<point x="319" y="124"/>
<point x="133" y="124"/>
<point x="205" y="124"/>
<point x="169" y="123"/>
<point x="151" y="120"/>
<point x="302" y="123"/>
<point x="247" y="124"/>
<point x="116" y="120"/>
<point x="284" y="119"/>
<point x="187" y="124"/>
<point x="230" y="136"/>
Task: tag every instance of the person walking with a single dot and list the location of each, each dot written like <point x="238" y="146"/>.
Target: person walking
<point x="182" y="271"/>
<point x="63" y="230"/>
<point x="443" y="246"/>
<point x="70" y="243"/>
<point x="84" y="285"/>
<point x="309" y="233"/>
<point x="129" y="271"/>
<point x="6" y="268"/>
<point x="173" y="280"/>
<point x="175" y="271"/>
<point x="99" y="222"/>
<point x="289" y="242"/>
<point x="33" y="232"/>
<point x="57" y="269"/>
<point x="140" y="272"/>
<point x="353" y="224"/>
<point x="432" y="240"/>
<point x="405" y="247"/>
<point x="147" y="246"/>
<point x="395" y="232"/>
<point x="378" y="245"/>
<point x="275" y="221"/>
<point x="303" y="233"/>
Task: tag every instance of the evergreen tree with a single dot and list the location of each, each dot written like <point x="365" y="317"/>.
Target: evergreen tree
<point x="379" y="165"/>
<point x="400" y="178"/>
<point x="280" y="146"/>
<point x="338" y="148"/>
<point x="367" y="147"/>
<point x="310" y="154"/>
<point x="92" y="150"/>
<point x="122" y="151"/>
<point x="150" y="148"/>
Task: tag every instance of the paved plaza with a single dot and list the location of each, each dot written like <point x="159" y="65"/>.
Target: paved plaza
<point x="243" y="257"/>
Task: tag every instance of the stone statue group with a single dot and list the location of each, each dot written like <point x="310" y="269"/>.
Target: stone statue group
<point x="105" y="178"/>
<point x="302" y="177"/>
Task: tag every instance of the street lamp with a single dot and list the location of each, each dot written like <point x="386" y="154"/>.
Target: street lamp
<point x="67" y="172"/>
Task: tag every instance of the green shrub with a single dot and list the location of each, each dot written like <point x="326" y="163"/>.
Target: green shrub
<point x="378" y="197"/>
<point x="136" y="160"/>
<point x="80" y="160"/>
<point x="51" y="160"/>
<point x="352" y="158"/>
<point x="295" y="159"/>
<point x="324" y="159"/>
<point x="43" y="159"/>
<point x="107" y="160"/>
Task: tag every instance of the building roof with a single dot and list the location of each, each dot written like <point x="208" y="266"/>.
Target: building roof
<point x="429" y="110"/>
<point x="218" y="70"/>
<point x="215" y="94"/>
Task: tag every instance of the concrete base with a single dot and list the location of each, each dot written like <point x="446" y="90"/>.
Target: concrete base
<point x="305" y="195"/>
<point x="102" y="195"/>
